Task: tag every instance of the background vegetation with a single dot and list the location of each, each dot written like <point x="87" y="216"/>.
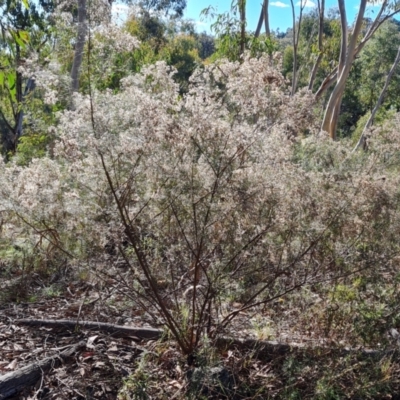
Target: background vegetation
<point x="198" y="163"/>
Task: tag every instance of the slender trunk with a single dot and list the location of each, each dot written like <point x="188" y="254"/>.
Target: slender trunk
<point x="361" y="142"/>
<point x="266" y="18"/>
<point x="378" y="21"/>
<point x="13" y="130"/>
<point x="321" y="11"/>
<point x="260" y="23"/>
<point x="19" y="98"/>
<point x="242" y="12"/>
<point x="296" y="36"/>
<point x="29" y="87"/>
<point x="80" y="43"/>
<point x="327" y="83"/>
<point x="329" y="122"/>
<point x="294" y="70"/>
<point x="10" y="143"/>
<point x="344" y="33"/>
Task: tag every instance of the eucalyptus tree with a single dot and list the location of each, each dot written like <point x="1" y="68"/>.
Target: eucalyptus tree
<point x="370" y="121"/>
<point x="296" y="36"/>
<point x="80" y="44"/>
<point x="24" y="28"/>
<point x="320" y="48"/>
<point x="383" y="50"/>
<point x="165" y="6"/>
<point x="264" y="18"/>
<point x="242" y="12"/>
<point x="375" y="60"/>
<point x="149" y="11"/>
<point x="350" y="47"/>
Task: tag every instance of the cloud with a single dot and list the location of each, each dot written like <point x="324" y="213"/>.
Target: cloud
<point x="306" y="3"/>
<point x="278" y="4"/>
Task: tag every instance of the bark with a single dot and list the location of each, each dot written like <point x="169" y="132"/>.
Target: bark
<point x="242" y="12"/>
<point x="265" y="349"/>
<point x="344" y="33"/>
<point x="327" y="83"/>
<point x="260" y="23"/>
<point x="14" y="382"/>
<point x="264" y="17"/>
<point x="30" y="86"/>
<point x="296" y="37"/>
<point x="361" y="142"/>
<point x="321" y="12"/>
<point x="14" y="132"/>
<point x="347" y="52"/>
<point x="221" y="341"/>
<point x="378" y="21"/>
<point x="80" y="44"/>
<point x="115" y="330"/>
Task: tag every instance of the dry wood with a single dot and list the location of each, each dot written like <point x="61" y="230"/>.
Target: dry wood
<point x="13" y="382"/>
<point x="264" y="348"/>
<point x="115" y="330"/>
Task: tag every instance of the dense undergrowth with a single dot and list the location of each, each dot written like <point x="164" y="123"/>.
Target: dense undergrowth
<point x="224" y="204"/>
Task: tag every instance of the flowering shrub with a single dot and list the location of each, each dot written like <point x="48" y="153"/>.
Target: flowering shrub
<point x="219" y="195"/>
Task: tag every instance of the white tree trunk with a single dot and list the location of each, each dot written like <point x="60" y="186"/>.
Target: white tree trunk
<point x="347" y="51"/>
<point x="321" y="12"/>
<point x="383" y="15"/>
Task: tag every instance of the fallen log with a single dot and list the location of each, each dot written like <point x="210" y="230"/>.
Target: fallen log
<point x="115" y="330"/>
<point x="15" y="381"/>
<point x="263" y="348"/>
<point x="266" y="349"/>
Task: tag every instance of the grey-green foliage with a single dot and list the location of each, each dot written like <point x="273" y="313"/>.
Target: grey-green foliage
<point x="376" y="60"/>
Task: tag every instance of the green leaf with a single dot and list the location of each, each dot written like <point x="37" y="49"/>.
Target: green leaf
<point x="24" y="35"/>
<point x="11" y="80"/>
<point x="2" y="76"/>
<point x="26" y="3"/>
<point x="19" y="41"/>
<point x="21" y="38"/>
<point x="11" y="86"/>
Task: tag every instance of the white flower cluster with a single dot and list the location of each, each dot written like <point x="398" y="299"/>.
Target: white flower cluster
<point x="220" y="171"/>
<point x="110" y="38"/>
<point x="48" y="78"/>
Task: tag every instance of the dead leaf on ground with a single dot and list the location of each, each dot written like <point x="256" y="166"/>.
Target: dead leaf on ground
<point x="13" y="365"/>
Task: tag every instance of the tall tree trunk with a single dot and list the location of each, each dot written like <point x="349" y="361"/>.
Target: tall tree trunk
<point x="296" y="37"/>
<point x="260" y="23"/>
<point x="29" y="87"/>
<point x="13" y="129"/>
<point x="380" y="18"/>
<point x="321" y="12"/>
<point x="329" y="123"/>
<point x="80" y="44"/>
<point x="264" y="17"/>
<point x="242" y="12"/>
<point x="361" y="142"/>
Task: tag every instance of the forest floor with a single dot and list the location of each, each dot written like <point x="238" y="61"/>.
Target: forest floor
<point x="113" y="367"/>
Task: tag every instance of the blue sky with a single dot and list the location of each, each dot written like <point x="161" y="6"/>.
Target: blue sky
<point x="279" y="10"/>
